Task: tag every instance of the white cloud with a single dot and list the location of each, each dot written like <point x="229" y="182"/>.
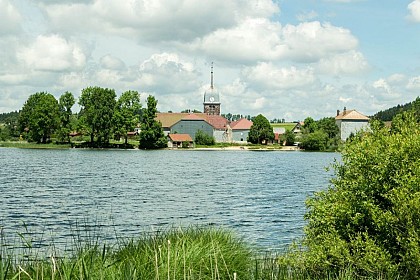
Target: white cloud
<point x="351" y="62"/>
<point x="52" y="53"/>
<point x="166" y="73"/>
<point x="311" y="41"/>
<point x="252" y="40"/>
<point x="269" y="77"/>
<point x="414" y="11"/>
<point x="306" y="16"/>
<point x="10" y="18"/>
<point x="158" y="20"/>
<point x="111" y="62"/>
<point x="414" y="83"/>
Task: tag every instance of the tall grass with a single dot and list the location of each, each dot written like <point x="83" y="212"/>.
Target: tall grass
<point x="181" y="253"/>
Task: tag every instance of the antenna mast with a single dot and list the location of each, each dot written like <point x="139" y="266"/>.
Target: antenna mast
<point x="211" y="85"/>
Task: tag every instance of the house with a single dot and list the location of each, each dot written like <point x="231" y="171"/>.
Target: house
<point x="240" y="130"/>
<point x="350" y="122"/>
<point x="180" y="141"/>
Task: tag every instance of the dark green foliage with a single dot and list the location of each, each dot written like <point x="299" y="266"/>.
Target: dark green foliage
<point x="96" y="113"/>
<point x="127" y="114"/>
<point x="151" y="134"/>
<point x="369" y="219"/>
<point x="39" y="117"/>
<point x="261" y="131"/>
<point x="289" y="137"/>
<point x="202" y="138"/>
<point x="310" y="125"/>
<point x="316" y="141"/>
<point x="389" y="114"/>
<point x="328" y="126"/>
<point x="65" y="104"/>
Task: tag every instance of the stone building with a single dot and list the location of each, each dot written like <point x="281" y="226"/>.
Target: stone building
<point x="350" y="122"/>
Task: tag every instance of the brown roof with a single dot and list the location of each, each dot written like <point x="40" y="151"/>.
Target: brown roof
<point x="241" y="124"/>
<point x="351" y="115"/>
<point x="218" y="122"/>
<point x="193" y="117"/>
<point x="169" y="119"/>
<point x="180" y="137"/>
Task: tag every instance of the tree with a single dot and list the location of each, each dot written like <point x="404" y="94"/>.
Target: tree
<point x="127" y="113"/>
<point x="316" y="141"/>
<point x="202" y="138"/>
<point x="65" y="104"/>
<point x="96" y="113"/>
<point x="151" y="134"/>
<point x="309" y="125"/>
<point x="289" y="137"/>
<point x="368" y="219"/>
<point x="39" y="117"/>
<point x="261" y="131"/>
<point x="329" y="126"/>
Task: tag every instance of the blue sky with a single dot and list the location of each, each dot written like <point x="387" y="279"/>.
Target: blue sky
<point x="285" y="59"/>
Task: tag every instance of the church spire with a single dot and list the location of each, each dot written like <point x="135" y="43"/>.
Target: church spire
<point x="211" y="85"/>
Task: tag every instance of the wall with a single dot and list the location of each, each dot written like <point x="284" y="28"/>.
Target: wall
<point x="191" y="127"/>
<point x="348" y="127"/>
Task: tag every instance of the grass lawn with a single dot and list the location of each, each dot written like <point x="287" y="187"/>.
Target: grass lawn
<point x="287" y="126"/>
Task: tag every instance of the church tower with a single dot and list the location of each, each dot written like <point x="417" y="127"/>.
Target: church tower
<point x="211" y="98"/>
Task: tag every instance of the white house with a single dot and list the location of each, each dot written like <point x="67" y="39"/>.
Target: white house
<point x="350" y="121"/>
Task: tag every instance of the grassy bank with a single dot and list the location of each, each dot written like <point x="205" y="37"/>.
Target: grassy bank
<point x="189" y="253"/>
<point x="32" y="145"/>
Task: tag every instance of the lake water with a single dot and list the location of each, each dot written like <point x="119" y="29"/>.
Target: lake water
<point x="48" y="195"/>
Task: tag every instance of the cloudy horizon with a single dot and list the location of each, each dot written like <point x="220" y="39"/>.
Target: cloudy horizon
<point x="285" y="59"/>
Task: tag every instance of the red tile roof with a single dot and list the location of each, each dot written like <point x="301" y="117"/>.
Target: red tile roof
<point x="169" y="119"/>
<point x="218" y="122"/>
<point x="180" y="137"/>
<point x="241" y="124"/>
<point x="193" y="117"/>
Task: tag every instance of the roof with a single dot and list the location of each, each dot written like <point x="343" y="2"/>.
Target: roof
<point x="218" y="122"/>
<point x="169" y="119"/>
<point x="351" y="115"/>
<point x="241" y="124"/>
<point x="193" y="117"/>
<point x="180" y="137"/>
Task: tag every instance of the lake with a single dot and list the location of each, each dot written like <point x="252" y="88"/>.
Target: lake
<point x="51" y="195"/>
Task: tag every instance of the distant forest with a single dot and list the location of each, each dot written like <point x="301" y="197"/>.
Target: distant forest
<point x="7" y="117"/>
<point x="389" y="114"/>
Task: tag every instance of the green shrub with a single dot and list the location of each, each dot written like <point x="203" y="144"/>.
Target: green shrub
<point x="369" y="218"/>
<point x="202" y="138"/>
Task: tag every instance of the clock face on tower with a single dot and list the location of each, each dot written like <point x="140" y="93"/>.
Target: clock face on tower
<point x="211" y="99"/>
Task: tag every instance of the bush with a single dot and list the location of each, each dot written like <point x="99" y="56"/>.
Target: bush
<point x="203" y="139"/>
<point x="369" y="218"/>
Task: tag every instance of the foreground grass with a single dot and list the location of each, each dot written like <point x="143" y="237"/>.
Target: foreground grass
<point x="191" y="253"/>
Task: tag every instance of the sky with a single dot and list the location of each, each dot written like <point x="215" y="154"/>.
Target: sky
<point x="285" y="59"/>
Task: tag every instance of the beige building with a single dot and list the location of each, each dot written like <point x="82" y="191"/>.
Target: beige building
<point x="350" y="122"/>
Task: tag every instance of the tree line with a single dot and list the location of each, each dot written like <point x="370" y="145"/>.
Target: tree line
<point x="102" y="116"/>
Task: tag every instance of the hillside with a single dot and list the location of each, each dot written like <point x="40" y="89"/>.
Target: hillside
<point x="389" y="114"/>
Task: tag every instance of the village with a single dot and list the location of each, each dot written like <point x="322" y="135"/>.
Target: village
<point x="181" y="128"/>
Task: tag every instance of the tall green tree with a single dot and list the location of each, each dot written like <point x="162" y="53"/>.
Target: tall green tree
<point x="151" y="134"/>
<point x="261" y="131"/>
<point x="309" y="124"/>
<point x="127" y="113"/>
<point x="65" y="103"/>
<point x="96" y="113"/>
<point x="329" y="126"/>
<point x="39" y="117"/>
<point x="289" y="137"/>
